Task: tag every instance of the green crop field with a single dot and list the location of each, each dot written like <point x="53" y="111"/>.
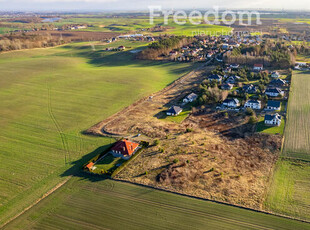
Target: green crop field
<point x="290" y="188"/>
<point x="289" y="193"/>
<point x="140" y="25"/>
<point x="297" y="131"/>
<point x="48" y="96"/>
<point x="95" y="203"/>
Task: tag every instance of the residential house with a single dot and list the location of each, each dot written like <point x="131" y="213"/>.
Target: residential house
<point x="232" y="79"/>
<point x="275" y="74"/>
<point x="273" y="120"/>
<point x="273" y="105"/>
<point x="190" y="98"/>
<point x="227" y="86"/>
<point x="258" y="67"/>
<point x="249" y="88"/>
<point x="173" y="53"/>
<point x="174" y="111"/>
<point x="253" y="104"/>
<point x="215" y="77"/>
<point x="90" y="166"/>
<point x="124" y="149"/>
<point x="274" y="92"/>
<point x="234" y="66"/>
<point x="121" y="48"/>
<point x="225" y="46"/>
<point x="233" y="102"/>
<point x="277" y="83"/>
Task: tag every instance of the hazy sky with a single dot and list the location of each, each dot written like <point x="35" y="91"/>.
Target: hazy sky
<point x="103" y="5"/>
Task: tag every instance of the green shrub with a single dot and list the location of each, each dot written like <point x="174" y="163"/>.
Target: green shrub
<point x="252" y="120"/>
<point x="249" y="112"/>
<point x="156" y="142"/>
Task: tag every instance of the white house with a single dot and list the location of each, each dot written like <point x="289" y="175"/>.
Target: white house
<point x="234" y="66"/>
<point x="234" y="103"/>
<point x="227" y="86"/>
<point x="258" y="67"/>
<point x="275" y="74"/>
<point x="273" y="120"/>
<point x="190" y="98"/>
<point x="274" y="92"/>
<point x="273" y="105"/>
<point x="215" y="77"/>
<point x="174" y="111"/>
<point x="232" y="79"/>
<point x="253" y="104"/>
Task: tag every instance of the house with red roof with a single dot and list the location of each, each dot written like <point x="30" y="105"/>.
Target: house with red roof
<point x="124" y="149"/>
<point x="90" y="165"/>
<point x="258" y="67"/>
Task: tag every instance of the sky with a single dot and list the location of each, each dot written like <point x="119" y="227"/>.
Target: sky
<point x="142" y="5"/>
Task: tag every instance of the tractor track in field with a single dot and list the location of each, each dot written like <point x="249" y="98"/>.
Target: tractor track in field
<point x="59" y="185"/>
<point x="59" y="130"/>
<point x="181" y="209"/>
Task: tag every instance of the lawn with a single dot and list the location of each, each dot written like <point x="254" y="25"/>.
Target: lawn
<point x="48" y="96"/>
<point x="261" y="127"/>
<point x="108" y="164"/>
<point x="94" y="203"/>
<point x="289" y="192"/>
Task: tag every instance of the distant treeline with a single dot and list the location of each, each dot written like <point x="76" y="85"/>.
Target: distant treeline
<point x="273" y="54"/>
<point x="163" y="47"/>
<point x="18" y="42"/>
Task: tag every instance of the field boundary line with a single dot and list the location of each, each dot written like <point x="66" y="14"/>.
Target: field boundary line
<point x="52" y="190"/>
<point x="214" y="201"/>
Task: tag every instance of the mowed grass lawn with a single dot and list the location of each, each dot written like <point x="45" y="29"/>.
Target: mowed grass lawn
<point x="261" y="127"/>
<point x="94" y="203"/>
<point x="48" y="96"/>
<point x="289" y="193"/>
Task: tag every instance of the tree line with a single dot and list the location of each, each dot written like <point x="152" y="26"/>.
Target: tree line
<point x="23" y="41"/>
<point x="163" y="46"/>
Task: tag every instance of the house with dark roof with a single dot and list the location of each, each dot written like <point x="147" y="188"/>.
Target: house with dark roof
<point x="232" y="79"/>
<point x="273" y="120"/>
<point x="232" y="102"/>
<point x="174" y="111"/>
<point x="274" y="92"/>
<point x="277" y="83"/>
<point x="253" y="104"/>
<point x="273" y="105"/>
<point x="190" y="98"/>
<point x="215" y="77"/>
<point x="124" y="149"/>
<point x="275" y="74"/>
<point x="249" y="88"/>
<point x="227" y="86"/>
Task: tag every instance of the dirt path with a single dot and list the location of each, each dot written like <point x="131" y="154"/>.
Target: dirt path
<point x="37" y="201"/>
